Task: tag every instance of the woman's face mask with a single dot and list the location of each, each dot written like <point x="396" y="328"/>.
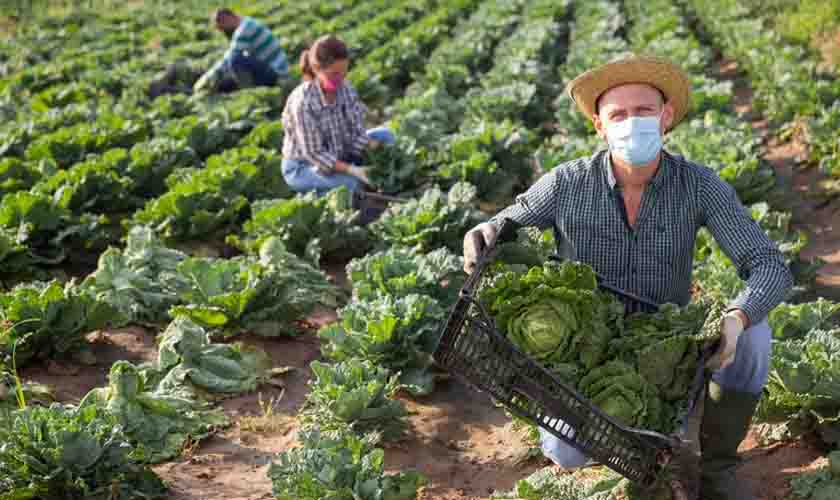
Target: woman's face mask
<point x="636" y="139"/>
<point x="331" y="83"/>
<point x="332" y="76"/>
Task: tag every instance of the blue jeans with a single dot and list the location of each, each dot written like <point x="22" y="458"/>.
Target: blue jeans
<point x="302" y="176"/>
<point x="748" y="373"/>
<point x="253" y="69"/>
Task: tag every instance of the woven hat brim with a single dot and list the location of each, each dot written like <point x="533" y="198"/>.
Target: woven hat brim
<point x="660" y="73"/>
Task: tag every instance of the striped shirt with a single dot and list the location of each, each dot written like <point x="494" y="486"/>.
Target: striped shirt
<point x="253" y="38"/>
<point x="583" y="204"/>
<point x="322" y="133"/>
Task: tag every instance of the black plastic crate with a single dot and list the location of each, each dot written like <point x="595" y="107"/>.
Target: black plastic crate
<point x="473" y="349"/>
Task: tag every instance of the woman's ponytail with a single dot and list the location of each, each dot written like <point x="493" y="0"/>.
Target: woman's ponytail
<point x="306" y="65"/>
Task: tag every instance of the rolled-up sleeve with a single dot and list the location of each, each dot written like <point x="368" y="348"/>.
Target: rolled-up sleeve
<point x="757" y="258"/>
<point x="537" y="206"/>
<point x="308" y="135"/>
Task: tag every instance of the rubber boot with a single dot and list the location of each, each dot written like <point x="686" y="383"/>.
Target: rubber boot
<point x="726" y="419"/>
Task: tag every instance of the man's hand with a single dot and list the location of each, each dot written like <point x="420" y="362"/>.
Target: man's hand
<point x="202" y="84"/>
<point x="475" y="241"/>
<point x="732" y="326"/>
<point x="373" y="143"/>
<point x="360" y="173"/>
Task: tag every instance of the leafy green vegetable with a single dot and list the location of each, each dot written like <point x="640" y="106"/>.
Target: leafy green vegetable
<point x="44" y="320"/>
<point x="598" y="483"/>
<point x="48" y="230"/>
<point x="16" y="175"/>
<point x="397" y="333"/>
<point x="790" y="321"/>
<point x="138" y="280"/>
<point x="355" y="394"/>
<point x="94" y="185"/>
<point x="309" y="225"/>
<point x="555" y="313"/>
<point x="394" y="167"/>
<point x="266" y="135"/>
<point x="65" y="452"/>
<point x="152" y="161"/>
<point x="426" y="117"/>
<point x="531" y="247"/>
<point x="70" y="145"/>
<point x="191" y="365"/>
<point x="206" y="135"/>
<point x="157" y="420"/>
<point x="492" y="155"/>
<point x="203" y="201"/>
<point x="265" y="295"/>
<point x="621" y="392"/>
<point x="15" y="258"/>
<point x="804" y="383"/>
<point x="339" y="466"/>
<point x="432" y="221"/>
<point x="821" y="484"/>
<point x="401" y="271"/>
<point x="664" y="346"/>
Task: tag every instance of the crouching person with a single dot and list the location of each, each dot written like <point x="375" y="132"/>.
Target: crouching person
<point x="632" y="211"/>
<point x="254" y="58"/>
<point x="323" y="123"/>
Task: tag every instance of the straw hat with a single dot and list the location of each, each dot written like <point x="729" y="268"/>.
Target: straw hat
<point x="660" y="73"/>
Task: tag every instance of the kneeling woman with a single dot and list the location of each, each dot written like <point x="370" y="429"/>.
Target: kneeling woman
<point x="323" y="123"/>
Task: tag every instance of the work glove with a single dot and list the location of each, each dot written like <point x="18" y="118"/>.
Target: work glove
<point x="731" y="328"/>
<point x="475" y="241"/>
<point x="360" y="173"/>
<point x="203" y="83"/>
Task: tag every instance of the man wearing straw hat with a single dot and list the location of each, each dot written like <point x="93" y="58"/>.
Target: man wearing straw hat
<point x="632" y="212"/>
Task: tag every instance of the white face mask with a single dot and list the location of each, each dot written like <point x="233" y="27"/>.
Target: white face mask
<point x="636" y="140"/>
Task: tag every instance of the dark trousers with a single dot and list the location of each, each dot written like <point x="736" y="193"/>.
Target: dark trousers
<point x="249" y="71"/>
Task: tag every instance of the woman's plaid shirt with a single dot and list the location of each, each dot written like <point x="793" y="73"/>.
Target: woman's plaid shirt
<point x="581" y="201"/>
<point x="322" y="133"/>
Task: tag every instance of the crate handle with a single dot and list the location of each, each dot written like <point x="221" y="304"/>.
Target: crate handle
<point x="506" y="232"/>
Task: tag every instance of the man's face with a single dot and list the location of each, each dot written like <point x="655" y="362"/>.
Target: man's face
<point x="227" y="25"/>
<point x="632" y="99"/>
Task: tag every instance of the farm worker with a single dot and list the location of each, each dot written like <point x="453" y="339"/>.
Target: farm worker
<point x="632" y="212"/>
<point x="253" y="58"/>
<point x="324" y="124"/>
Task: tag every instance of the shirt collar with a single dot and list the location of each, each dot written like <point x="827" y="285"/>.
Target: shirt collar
<point x="321" y="100"/>
<point x="658" y="178"/>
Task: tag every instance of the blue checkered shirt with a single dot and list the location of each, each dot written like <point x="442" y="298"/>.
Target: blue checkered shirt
<point x="581" y="201"/>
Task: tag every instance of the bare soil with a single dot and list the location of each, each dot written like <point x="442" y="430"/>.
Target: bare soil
<point x="769" y="470"/>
